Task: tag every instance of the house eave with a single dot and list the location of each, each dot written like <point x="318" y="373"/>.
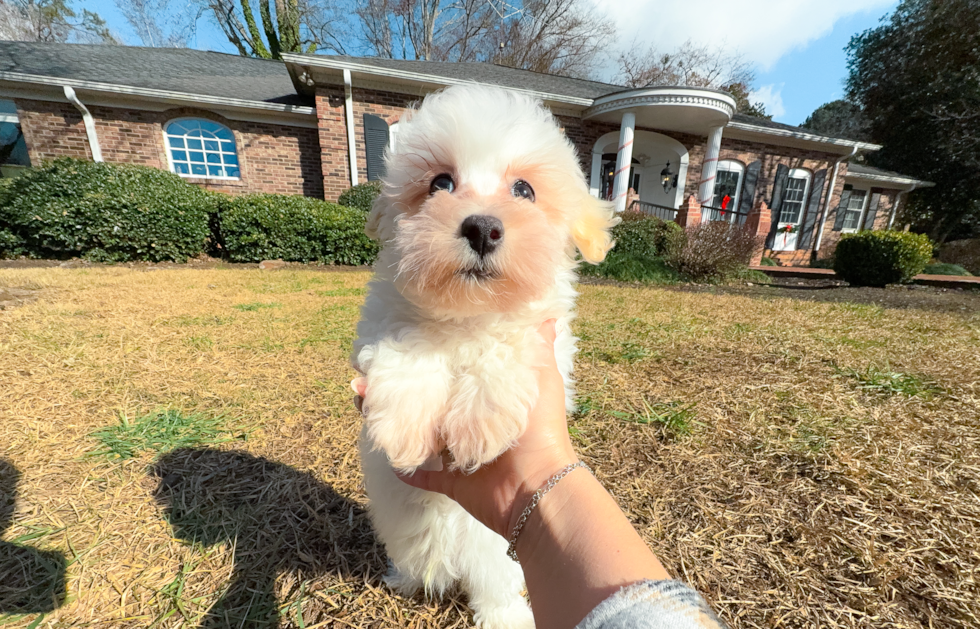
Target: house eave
<point x="797" y="138"/>
<point x="888" y="181"/>
<point x="15" y="79"/>
<point x="410" y="81"/>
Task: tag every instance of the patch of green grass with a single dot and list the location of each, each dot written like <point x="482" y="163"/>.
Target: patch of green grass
<point x="632" y="267"/>
<point x="255" y="305"/>
<point x="342" y="292"/>
<point x="768" y="262"/>
<point x="202" y="343"/>
<point x="627" y="352"/>
<point x="674" y="418"/>
<point x="745" y="274"/>
<point x="945" y="268"/>
<point x="887" y="382"/>
<point x="163" y="431"/>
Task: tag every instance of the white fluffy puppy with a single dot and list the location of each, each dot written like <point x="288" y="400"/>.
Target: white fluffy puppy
<point x="483" y="205"/>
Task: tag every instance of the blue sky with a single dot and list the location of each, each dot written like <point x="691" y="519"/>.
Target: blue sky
<point x="797" y="46"/>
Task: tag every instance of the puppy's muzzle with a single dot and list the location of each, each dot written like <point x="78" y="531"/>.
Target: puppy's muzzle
<point x="485" y="233"/>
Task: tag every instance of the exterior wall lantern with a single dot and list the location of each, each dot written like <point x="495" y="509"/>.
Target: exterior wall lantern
<point x="668" y="178"/>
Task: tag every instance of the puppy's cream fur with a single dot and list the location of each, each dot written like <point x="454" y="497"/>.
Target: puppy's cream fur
<point x="448" y="352"/>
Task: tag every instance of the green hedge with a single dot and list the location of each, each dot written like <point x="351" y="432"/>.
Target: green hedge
<point x="945" y="268"/>
<point x="877" y="258"/>
<point x="361" y="196"/>
<point x="104" y="212"/>
<point x="257" y="227"/>
<point x="642" y="241"/>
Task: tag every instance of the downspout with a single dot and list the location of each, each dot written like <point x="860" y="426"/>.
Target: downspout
<point x="830" y="196"/>
<point x="349" y="115"/>
<point x="93" y="139"/>
<point x="898" y="199"/>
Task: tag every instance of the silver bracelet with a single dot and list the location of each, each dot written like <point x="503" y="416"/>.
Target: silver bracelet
<point x="533" y="502"/>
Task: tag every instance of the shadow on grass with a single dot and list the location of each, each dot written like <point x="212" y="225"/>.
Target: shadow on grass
<point x="278" y="520"/>
<point x="31" y="581"/>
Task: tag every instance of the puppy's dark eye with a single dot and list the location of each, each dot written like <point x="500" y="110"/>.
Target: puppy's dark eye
<point x="523" y="190"/>
<point x="442" y="182"/>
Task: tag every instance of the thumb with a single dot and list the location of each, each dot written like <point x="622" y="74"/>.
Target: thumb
<point x="441" y="482"/>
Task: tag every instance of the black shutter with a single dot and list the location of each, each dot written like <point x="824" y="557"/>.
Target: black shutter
<point x="375" y="141"/>
<point x="747" y="199"/>
<point x="775" y="204"/>
<point x="869" y="218"/>
<point x="812" y="209"/>
<point x="845" y="198"/>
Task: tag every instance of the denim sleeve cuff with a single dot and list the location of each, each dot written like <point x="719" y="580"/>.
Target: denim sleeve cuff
<point x="653" y="605"/>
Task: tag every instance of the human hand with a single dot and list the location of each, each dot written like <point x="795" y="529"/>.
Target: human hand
<point x="496" y="493"/>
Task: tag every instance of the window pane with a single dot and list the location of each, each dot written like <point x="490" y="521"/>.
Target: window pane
<point x="856" y="201"/>
<point x="12" y="145"/>
<point x="726" y="183"/>
<point x="851" y="219"/>
<point x="202" y="148"/>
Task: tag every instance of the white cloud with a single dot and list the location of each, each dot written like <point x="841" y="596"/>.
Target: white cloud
<point x="771" y="97"/>
<point x="763" y="30"/>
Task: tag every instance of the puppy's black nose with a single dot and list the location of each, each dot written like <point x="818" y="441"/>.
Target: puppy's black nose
<point x="483" y="232"/>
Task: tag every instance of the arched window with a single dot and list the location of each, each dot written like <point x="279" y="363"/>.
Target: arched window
<point x="198" y="147"/>
<point x="728" y="182"/>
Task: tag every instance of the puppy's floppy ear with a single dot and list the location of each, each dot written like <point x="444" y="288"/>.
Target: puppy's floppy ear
<point x="381" y="220"/>
<point x="590" y="228"/>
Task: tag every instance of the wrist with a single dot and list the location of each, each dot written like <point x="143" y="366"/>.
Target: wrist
<point x="535" y="488"/>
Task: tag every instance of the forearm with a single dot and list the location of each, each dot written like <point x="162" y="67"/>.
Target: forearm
<point x="578" y="541"/>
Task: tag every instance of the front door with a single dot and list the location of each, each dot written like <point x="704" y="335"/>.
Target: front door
<point x="791" y="212"/>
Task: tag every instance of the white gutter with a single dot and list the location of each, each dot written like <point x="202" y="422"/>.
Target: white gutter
<point x="442" y="81"/>
<point x="898" y="199"/>
<point x="349" y="114"/>
<point x="93" y="138"/>
<point x="801" y="135"/>
<point x="830" y="195"/>
<point x="156" y="94"/>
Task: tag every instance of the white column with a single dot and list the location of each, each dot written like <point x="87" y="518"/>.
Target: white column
<point x="624" y="158"/>
<point x="595" y="178"/>
<point x="709" y="167"/>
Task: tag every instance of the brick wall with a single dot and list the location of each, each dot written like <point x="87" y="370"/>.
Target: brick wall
<point x="273" y="158"/>
<point x="885" y="205"/>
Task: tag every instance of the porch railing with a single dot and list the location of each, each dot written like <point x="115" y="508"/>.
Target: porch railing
<point x="652" y="209"/>
<point x="709" y="213"/>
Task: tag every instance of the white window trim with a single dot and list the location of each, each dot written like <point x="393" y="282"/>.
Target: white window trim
<point x="170" y="159"/>
<point x="798" y="173"/>
<point x="732" y="166"/>
<point x="393" y="137"/>
<point x="864" y="209"/>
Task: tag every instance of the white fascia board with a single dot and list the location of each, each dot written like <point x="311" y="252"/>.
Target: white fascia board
<point x="900" y="182"/>
<point x="145" y="92"/>
<point x="801" y="135"/>
<point x="418" y="77"/>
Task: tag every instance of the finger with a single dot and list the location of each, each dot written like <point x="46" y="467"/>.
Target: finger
<point x="548" y="331"/>
<point x="439" y="482"/>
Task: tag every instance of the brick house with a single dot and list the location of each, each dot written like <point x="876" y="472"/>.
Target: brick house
<point x="315" y="125"/>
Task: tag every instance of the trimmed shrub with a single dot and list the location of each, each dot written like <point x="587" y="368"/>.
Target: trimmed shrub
<point x="768" y="262"/>
<point x="361" y="196"/>
<point x="641" y="242"/>
<point x="105" y="212"/>
<point x="713" y="250"/>
<point x="256" y="227"/>
<point x="645" y="235"/>
<point x="877" y="258"/>
<point x="632" y="267"/>
<point x="945" y="268"/>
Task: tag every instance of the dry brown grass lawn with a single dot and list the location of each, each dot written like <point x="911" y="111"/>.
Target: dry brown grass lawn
<point x="802" y="464"/>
